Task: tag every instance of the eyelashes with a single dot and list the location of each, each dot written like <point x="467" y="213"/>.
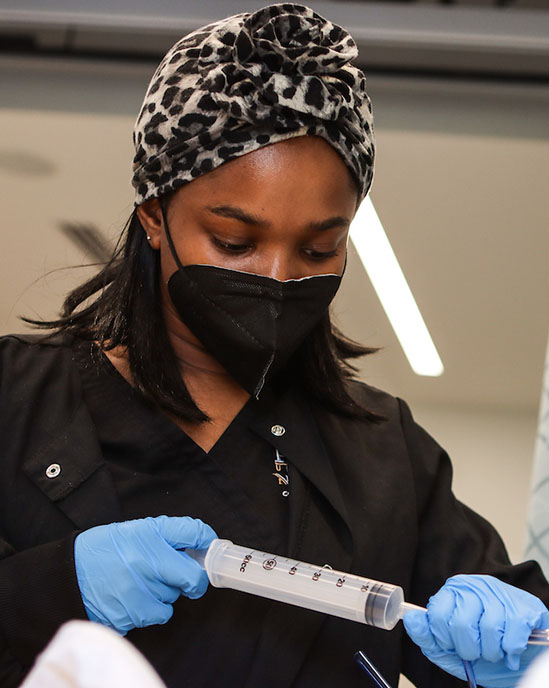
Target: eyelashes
<point x="320" y="255"/>
<point x="230" y="247"/>
<point x="236" y="249"/>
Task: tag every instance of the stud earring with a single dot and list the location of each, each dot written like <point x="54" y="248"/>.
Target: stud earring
<point x="148" y="237"/>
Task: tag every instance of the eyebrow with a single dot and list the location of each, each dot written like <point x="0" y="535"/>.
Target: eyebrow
<point x="253" y="220"/>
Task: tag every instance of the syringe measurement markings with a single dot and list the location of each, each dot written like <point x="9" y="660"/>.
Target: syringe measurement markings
<point x="339" y="583"/>
<point x="247" y="559"/>
<point x="269" y="564"/>
<point x="317" y="575"/>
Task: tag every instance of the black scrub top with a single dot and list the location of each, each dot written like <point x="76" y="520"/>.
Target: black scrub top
<point x="374" y="500"/>
<point x="241" y="488"/>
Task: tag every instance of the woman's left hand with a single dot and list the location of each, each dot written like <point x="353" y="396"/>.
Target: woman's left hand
<point x="483" y="620"/>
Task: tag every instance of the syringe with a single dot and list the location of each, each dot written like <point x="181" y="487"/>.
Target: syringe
<point x="320" y="588"/>
<point x="305" y="585"/>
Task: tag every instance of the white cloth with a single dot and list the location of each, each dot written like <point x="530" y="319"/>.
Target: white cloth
<point x="83" y="654"/>
<point x="537" y="545"/>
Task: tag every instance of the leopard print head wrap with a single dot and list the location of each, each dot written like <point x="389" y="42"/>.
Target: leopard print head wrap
<point x="247" y="81"/>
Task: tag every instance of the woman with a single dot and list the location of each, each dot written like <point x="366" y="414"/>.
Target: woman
<point x="198" y="375"/>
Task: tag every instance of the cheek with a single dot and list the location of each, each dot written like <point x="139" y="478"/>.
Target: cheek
<point x="338" y="266"/>
<point x="193" y="248"/>
<point x="167" y="263"/>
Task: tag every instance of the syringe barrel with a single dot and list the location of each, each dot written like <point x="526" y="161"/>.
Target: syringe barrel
<point x="305" y="585"/>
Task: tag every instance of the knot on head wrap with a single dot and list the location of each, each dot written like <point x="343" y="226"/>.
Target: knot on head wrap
<point x="293" y="36"/>
<point x="277" y="53"/>
<point x="247" y="81"/>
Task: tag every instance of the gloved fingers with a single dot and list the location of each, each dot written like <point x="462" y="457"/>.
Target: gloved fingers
<point x="521" y="613"/>
<point x="156" y="613"/>
<point x="163" y="615"/>
<point x="440" y="610"/>
<point x="503" y="617"/>
<point x="464" y="624"/>
<point x="493" y="615"/>
<point x="524" y="659"/>
<point x="492" y="628"/>
<point x="196" y="583"/>
<point x="543" y="619"/>
<point x="163" y="592"/>
<point x="515" y="640"/>
<point x="152" y="560"/>
<point x="179" y="571"/>
<point x="416" y="624"/>
<point x="477" y="623"/>
<point x="184" y="531"/>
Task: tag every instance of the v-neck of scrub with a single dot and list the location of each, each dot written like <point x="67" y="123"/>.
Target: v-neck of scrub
<point x="122" y="412"/>
<point x="240" y="422"/>
<point x="241" y="418"/>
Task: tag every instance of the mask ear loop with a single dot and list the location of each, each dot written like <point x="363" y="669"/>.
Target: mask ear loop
<point x="169" y="237"/>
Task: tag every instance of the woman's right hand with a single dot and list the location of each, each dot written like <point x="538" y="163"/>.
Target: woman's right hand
<point x="131" y="573"/>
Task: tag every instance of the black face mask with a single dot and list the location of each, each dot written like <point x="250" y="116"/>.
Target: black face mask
<point x="249" y="323"/>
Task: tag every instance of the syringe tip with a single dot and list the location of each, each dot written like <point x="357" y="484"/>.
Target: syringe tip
<point x="408" y="606"/>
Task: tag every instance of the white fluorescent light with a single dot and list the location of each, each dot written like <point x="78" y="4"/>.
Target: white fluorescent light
<point x="393" y="291"/>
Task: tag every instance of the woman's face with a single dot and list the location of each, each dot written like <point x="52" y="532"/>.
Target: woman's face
<point x="282" y="211"/>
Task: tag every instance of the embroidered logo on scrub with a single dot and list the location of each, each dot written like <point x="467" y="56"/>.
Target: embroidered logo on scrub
<point x="281" y="473"/>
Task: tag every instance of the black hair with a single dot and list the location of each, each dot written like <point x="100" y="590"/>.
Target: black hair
<point x="120" y="306"/>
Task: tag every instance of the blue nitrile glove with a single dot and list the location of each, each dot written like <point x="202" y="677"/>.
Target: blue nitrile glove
<point x="481" y="619"/>
<point x="131" y="573"/>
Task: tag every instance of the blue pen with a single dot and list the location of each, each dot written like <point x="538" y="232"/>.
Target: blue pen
<point x="370" y="670"/>
<point x="366" y="665"/>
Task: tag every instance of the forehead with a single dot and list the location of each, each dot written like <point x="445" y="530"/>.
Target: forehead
<point x="299" y="170"/>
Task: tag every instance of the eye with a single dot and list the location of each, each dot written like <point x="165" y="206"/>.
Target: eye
<point x="320" y="255"/>
<point x="230" y="247"/>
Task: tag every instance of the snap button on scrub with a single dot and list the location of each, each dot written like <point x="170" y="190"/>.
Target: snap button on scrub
<point x="278" y="430"/>
<point x="53" y="470"/>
